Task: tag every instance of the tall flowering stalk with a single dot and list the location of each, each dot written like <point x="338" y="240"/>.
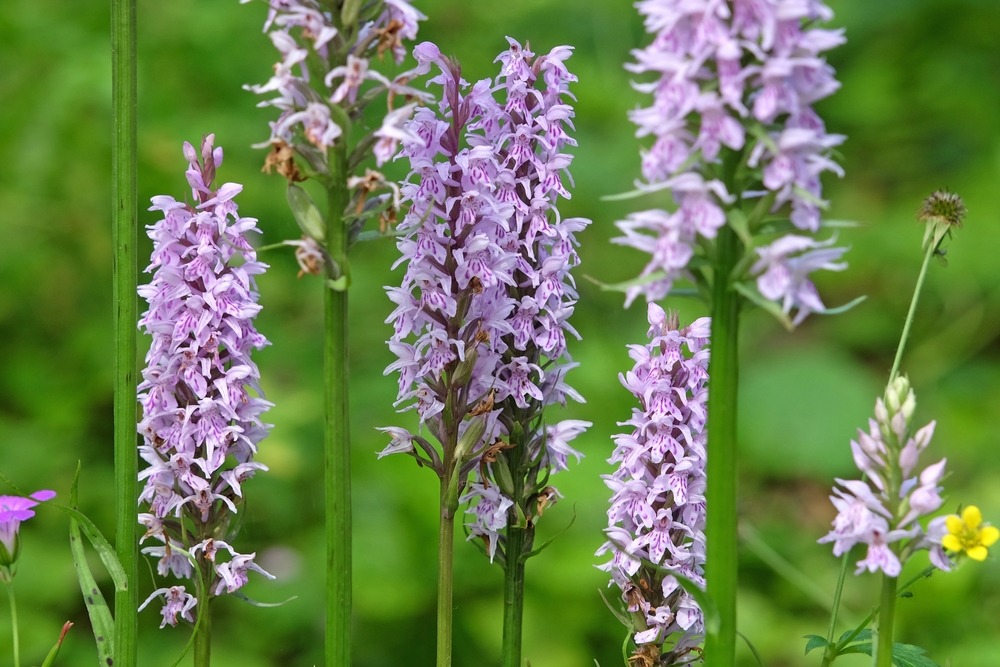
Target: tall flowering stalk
<point x="322" y="84"/>
<point x="482" y="313"/>
<point x="124" y="239"/>
<point x="656" y="521"/>
<point x="737" y="143"/>
<point x="200" y="394"/>
<point x="883" y="509"/>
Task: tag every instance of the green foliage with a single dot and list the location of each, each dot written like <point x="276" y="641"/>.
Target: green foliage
<point x="101" y="619"/>
<point x="851" y="642"/>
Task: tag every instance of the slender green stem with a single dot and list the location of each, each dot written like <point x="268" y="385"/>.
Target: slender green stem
<point x="912" y="312"/>
<point x="446" y="558"/>
<point x="13" y="624"/>
<point x="337" y="428"/>
<point x="833" y="650"/>
<point x="886" y="617"/>
<point x="828" y="654"/>
<point x="900" y="348"/>
<point x="720" y="529"/>
<point x="124" y="240"/>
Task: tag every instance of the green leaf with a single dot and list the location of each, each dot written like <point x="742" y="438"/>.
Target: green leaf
<point x="753" y="649"/>
<point x="100" y="544"/>
<point x="903" y="655"/>
<point x="842" y="309"/>
<point x="815" y="641"/>
<point x="617" y="613"/>
<point x="641" y="280"/>
<point x="255" y="603"/>
<point x="374" y="234"/>
<point x="339" y="285"/>
<point x="539" y="549"/>
<point x="908" y="655"/>
<point x="97" y="608"/>
<point x="741" y="225"/>
<point x="756" y="298"/>
<point x="864" y="647"/>
<point x="863" y="636"/>
<point x="624" y="286"/>
<point x="306" y="214"/>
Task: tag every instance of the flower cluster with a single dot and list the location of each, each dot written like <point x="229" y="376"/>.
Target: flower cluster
<point x="306" y="36"/>
<point x="742" y="76"/>
<point x="482" y="313"/>
<point x="14" y="510"/>
<point x="883" y="512"/>
<point x="321" y="86"/>
<point x="200" y="394"/>
<point x="657" y="516"/>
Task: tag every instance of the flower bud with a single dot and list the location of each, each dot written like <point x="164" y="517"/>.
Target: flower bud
<point x="307" y="215"/>
<point x="472" y="436"/>
<point x="463" y="372"/>
<point x="896" y="395"/>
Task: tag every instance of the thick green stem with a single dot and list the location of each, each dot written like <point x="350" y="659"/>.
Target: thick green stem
<point x="886" y="616"/>
<point x="13" y="624"/>
<point x="124" y="240"/>
<point x="337" y="426"/>
<point x="720" y="497"/>
<point x="203" y="630"/>
<point x="513" y="596"/>
<point x="446" y="557"/>
<point x="517" y="542"/>
<point x="912" y="312"/>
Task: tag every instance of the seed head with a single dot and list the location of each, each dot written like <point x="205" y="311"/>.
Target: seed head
<point x="942" y="207"/>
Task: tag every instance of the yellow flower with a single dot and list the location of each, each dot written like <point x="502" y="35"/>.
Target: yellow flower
<point x="966" y="533"/>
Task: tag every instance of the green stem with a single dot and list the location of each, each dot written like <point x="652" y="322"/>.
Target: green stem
<point x="124" y="241"/>
<point x="904" y="336"/>
<point x="848" y="638"/>
<point x="517" y="542"/>
<point x="203" y="629"/>
<point x="828" y="655"/>
<point x="513" y="596"/>
<point x="13" y="624"/>
<point x="446" y="557"/>
<point x="912" y="312"/>
<point x="337" y="427"/>
<point x="886" y="616"/>
<point x="720" y="529"/>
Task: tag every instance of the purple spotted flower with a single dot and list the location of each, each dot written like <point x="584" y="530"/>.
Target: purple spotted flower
<point x="482" y="315"/>
<point x="657" y="517"/>
<point x="200" y="394"/>
<point x="14" y="510"/>
<point x="326" y="77"/>
<point x="883" y="510"/>
<point x="735" y="140"/>
<point x="176" y="602"/>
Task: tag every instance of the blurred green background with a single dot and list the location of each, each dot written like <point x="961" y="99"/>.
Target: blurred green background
<point x="920" y="104"/>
